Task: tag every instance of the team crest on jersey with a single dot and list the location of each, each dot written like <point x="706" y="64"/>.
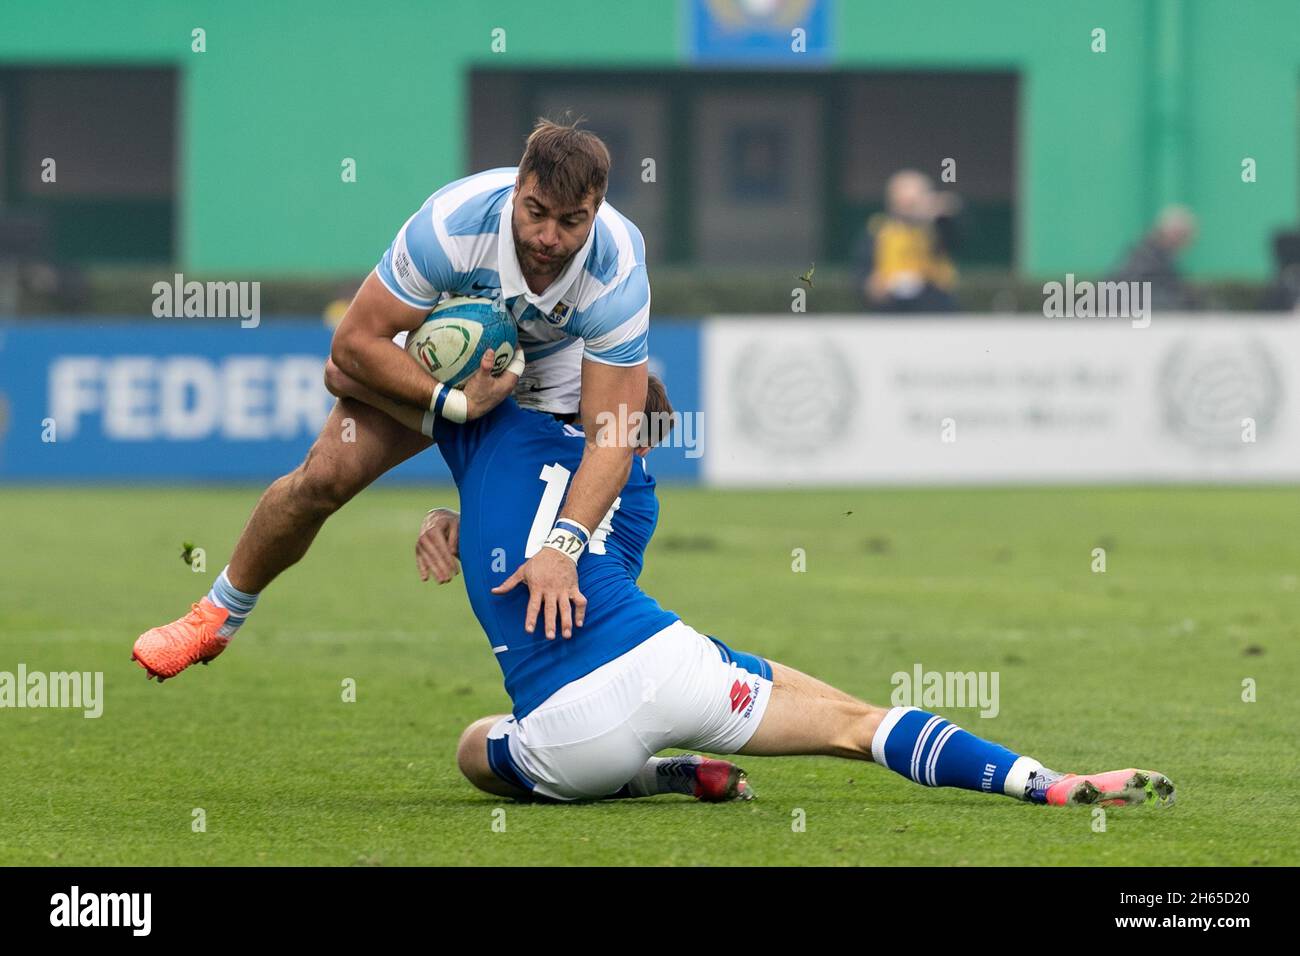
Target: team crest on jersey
<point x="560" y="314"/>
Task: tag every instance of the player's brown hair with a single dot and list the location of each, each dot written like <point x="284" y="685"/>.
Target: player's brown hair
<point x="659" y="415"/>
<point x="570" y="163"/>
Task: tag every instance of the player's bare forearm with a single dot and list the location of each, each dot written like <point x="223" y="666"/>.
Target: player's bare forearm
<point x="613" y="402"/>
<point x="343" y="385"/>
<point x="483" y="392"/>
<point x="600" y="477"/>
<point x="363" y="347"/>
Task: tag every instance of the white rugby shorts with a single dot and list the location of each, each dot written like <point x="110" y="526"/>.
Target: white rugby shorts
<point x="678" y="689"/>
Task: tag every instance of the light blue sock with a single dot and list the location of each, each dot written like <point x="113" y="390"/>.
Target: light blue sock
<point x="237" y="602"/>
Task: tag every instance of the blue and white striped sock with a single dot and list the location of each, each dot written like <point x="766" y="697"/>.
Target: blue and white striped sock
<point x="931" y="751"/>
<point x="237" y="602"/>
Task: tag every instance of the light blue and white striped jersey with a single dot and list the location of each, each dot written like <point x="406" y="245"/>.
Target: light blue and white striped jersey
<point x="460" y="242"/>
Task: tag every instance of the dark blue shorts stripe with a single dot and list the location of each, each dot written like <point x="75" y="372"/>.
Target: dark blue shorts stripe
<point x="750" y="662"/>
<point x="504" y="766"/>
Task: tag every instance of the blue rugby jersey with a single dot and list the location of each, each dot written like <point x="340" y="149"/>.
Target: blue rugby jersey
<point x="513" y="468"/>
<point x="460" y="242"/>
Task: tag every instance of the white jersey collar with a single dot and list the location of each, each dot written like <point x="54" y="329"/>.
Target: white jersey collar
<point x="512" y="275"/>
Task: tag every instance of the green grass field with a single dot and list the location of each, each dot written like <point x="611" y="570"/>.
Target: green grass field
<point x="1140" y="665"/>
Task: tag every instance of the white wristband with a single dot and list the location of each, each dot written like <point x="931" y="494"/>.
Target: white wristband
<point x="451" y="403"/>
<point x="448" y="403"/>
<point x="569" y="538"/>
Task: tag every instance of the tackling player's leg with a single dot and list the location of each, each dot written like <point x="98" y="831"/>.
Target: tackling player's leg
<point x="486" y="763"/>
<point x="472" y="758"/>
<point x="806" y="716"/>
<point x="597" y="736"/>
<point x="357" y="444"/>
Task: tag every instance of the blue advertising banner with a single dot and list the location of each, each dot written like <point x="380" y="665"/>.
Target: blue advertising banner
<point x="125" y="400"/>
<point x="675" y="356"/>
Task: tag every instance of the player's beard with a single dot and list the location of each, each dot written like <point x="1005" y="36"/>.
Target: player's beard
<point x="533" y="267"/>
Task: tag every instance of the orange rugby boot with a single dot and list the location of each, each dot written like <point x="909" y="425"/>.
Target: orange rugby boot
<point x="166" y="651"/>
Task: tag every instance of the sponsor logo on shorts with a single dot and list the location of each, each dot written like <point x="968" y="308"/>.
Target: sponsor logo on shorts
<point x="740" y="696"/>
<point x="743" y="697"/>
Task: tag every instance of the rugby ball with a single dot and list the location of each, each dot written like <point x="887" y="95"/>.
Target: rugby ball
<point x="450" y="343"/>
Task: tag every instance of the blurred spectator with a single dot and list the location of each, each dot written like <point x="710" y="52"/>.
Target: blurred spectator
<point x="24" y="239"/>
<point x="30" y="279"/>
<point x="903" y="262"/>
<point x="1283" y="294"/>
<point x="337" y="307"/>
<point x="1153" y="260"/>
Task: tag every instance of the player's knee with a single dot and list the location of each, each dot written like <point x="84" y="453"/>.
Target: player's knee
<point x="323" y="483"/>
<point x="471" y="752"/>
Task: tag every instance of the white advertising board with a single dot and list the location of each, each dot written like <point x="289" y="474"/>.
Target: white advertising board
<point x="796" y="400"/>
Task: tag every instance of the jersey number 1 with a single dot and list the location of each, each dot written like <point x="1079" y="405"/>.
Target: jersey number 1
<point x="557" y="478"/>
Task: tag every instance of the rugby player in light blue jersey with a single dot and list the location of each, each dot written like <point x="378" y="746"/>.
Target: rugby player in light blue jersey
<point x="568" y="266"/>
<point x="592" y="708"/>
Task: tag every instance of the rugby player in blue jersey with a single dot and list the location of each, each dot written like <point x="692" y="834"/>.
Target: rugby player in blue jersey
<point x="571" y="270"/>
<point x="592" y="706"/>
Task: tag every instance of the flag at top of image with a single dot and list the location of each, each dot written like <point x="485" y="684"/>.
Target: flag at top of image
<point x="768" y="32"/>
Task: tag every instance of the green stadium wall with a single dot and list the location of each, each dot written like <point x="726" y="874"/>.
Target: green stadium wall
<point x="285" y="90"/>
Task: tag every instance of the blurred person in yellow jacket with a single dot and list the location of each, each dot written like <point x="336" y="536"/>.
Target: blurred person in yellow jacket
<point x="903" y="261"/>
